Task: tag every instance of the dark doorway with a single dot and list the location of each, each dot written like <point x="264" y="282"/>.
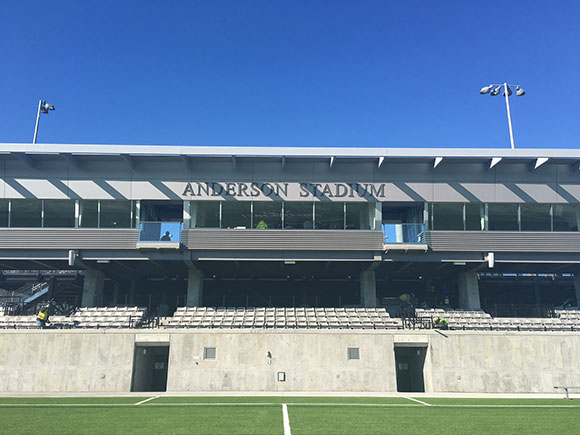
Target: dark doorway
<point x="409" y="362"/>
<point x="150" y="368"/>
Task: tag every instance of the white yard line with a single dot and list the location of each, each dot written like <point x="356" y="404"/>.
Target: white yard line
<point x="286" y="420"/>
<point x="417" y="400"/>
<point x="147" y="400"/>
<point x="250" y="404"/>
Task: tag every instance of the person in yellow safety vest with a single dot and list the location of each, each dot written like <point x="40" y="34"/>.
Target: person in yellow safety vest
<point x="262" y="225"/>
<point x="440" y="323"/>
<point x="408" y="299"/>
<point x="42" y="317"/>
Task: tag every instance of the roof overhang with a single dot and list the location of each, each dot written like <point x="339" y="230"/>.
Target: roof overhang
<point x="331" y="154"/>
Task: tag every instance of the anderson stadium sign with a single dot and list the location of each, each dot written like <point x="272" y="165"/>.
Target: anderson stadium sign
<point x="256" y="191"/>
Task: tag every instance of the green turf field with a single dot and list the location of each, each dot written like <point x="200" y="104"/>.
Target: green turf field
<point x="306" y="415"/>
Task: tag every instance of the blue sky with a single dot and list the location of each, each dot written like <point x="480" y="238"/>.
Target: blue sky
<point x="291" y="73"/>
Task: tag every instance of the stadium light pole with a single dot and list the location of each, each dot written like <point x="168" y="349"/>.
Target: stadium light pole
<point x="494" y="89"/>
<point x="43" y="107"/>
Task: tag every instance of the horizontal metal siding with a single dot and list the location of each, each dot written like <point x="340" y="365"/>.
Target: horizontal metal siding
<point x="67" y="238"/>
<point x="284" y="240"/>
<point x="503" y="241"/>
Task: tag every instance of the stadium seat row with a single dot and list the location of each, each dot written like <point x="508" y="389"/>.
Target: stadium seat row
<point x="259" y="317"/>
<point x="99" y="317"/>
<point x="479" y="320"/>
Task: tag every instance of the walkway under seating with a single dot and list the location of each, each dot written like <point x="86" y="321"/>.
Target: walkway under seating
<point x="304" y="318"/>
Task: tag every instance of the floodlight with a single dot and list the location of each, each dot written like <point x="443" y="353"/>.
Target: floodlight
<point x="507" y="92"/>
<point x="486" y="89"/>
<point x="43" y="107"/>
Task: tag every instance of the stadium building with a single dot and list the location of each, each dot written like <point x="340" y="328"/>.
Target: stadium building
<point x="301" y="255"/>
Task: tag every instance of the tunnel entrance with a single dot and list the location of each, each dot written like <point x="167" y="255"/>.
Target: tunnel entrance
<point x="150" y="368"/>
<point x="409" y="363"/>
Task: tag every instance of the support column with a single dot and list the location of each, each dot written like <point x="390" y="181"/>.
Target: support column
<point x="93" y="288"/>
<point x="469" y="291"/>
<point x="132" y="290"/>
<point x="577" y="288"/>
<point x="368" y="289"/>
<point x="116" y="293"/>
<point x="537" y="296"/>
<point x="194" y="288"/>
<point x="51" y="287"/>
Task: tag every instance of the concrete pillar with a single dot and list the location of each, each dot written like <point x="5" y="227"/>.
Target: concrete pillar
<point x="51" y="287"/>
<point x="194" y="288"/>
<point x="93" y="288"/>
<point x="132" y="290"/>
<point x="469" y="291"/>
<point x="368" y="289"/>
<point x="577" y="288"/>
<point x="116" y="293"/>
<point x="537" y="295"/>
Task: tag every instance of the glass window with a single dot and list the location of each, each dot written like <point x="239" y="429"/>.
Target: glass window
<point x="503" y="217"/>
<point x="206" y="214"/>
<point x="566" y="217"/>
<point x="298" y="215"/>
<point x="4" y="212"/>
<point x="268" y="215"/>
<point x="329" y="215"/>
<point x="115" y="214"/>
<point x="448" y="217"/>
<point x="236" y="214"/>
<point x="474" y="217"/>
<point x="88" y="213"/>
<point x="536" y="217"/>
<point x="357" y="216"/>
<point x="59" y="213"/>
<point x="26" y="213"/>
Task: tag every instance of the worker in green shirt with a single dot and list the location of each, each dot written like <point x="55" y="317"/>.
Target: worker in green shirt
<point x="262" y="225"/>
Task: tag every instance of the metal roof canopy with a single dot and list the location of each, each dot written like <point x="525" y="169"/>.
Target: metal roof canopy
<point x="382" y="155"/>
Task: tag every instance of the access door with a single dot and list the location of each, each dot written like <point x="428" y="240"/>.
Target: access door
<point x="150" y="368"/>
<point x="409" y="366"/>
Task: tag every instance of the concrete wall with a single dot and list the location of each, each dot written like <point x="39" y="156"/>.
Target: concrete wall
<point x="313" y="360"/>
<point x="54" y="361"/>
<point x="509" y="362"/>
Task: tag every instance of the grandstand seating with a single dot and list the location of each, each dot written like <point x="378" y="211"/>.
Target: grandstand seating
<point x="298" y="318"/>
<point x="567" y="320"/>
<point x="317" y="318"/>
<point x="108" y="317"/>
<point x="97" y="317"/>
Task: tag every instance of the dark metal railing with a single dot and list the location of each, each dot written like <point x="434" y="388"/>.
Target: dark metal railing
<point x="520" y="310"/>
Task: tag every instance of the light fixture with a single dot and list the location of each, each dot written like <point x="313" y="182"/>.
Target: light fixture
<point x="486" y="89"/>
<point x="43" y="107"/>
<point x="507" y="92"/>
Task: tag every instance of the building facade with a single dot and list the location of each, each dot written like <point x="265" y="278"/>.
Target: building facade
<point x="163" y="226"/>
